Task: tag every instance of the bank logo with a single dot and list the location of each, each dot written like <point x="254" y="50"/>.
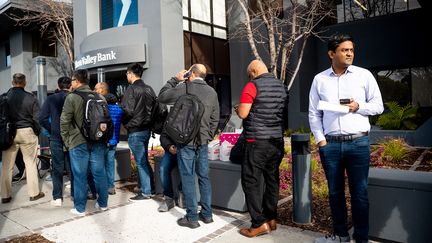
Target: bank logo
<point x="126" y="5"/>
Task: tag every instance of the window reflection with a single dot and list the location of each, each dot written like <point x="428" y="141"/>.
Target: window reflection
<point x="349" y="10"/>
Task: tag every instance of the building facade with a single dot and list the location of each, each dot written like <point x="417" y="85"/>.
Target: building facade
<point x="20" y="46"/>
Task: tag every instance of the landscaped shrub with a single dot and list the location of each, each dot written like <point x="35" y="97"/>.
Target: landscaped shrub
<point x="396" y="150"/>
<point x="397" y="117"/>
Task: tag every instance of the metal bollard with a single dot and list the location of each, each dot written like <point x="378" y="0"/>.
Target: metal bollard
<point x="302" y="178"/>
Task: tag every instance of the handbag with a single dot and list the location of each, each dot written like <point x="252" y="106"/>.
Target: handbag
<point x="237" y="152"/>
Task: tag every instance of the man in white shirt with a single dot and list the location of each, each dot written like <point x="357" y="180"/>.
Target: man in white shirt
<point x="342" y="137"/>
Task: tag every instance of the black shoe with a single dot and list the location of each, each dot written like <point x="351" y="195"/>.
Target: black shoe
<point x="186" y="223"/>
<point x="91" y="197"/>
<point x="18" y="177"/>
<point x="204" y="219"/>
<point x="38" y="196"/>
<point x="139" y="197"/>
<point x="6" y="200"/>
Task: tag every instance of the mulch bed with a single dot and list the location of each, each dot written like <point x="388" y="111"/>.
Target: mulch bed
<point x="34" y="238"/>
<point x="321" y="215"/>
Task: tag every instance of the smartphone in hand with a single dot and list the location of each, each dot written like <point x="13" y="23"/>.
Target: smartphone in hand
<point x="187" y="74"/>
<point x="344" y="101"/>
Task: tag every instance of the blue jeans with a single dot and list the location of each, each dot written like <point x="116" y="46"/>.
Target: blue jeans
<point x="82" y="157"/>
<point x="138" y="143"/>
<point x="60" y="162"/>
<point x="352" y="157"/>
<point x="110" y="164"/>
<point x="168" y="162"/>
<point x="194" y="161"/>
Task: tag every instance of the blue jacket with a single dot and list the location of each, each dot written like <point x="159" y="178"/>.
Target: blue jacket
<point x="116" y="115"/>
<point x="49" y="116"/>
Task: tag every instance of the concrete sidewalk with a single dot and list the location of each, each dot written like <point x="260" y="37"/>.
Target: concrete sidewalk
<point x="123" y="222"/>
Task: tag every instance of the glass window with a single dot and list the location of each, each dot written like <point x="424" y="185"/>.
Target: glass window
<point x="201" y="10"/>
<point x="220" y="33"/>
<point x="349" y="10"/>
<point x="395" y="85"/>
<point x="185" y="4"/>
<point x="219" y="13"/>
<point x="201" y="28"/>
<point x="185" y="24"/>
<point x="207" y="17"/>
<point x="116" y="13"/>
<point x="422" y="86"/>
<point x="8" y="55"/>
<point x="44" y="46"/>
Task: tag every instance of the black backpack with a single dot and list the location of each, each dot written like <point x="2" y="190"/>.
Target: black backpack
<point x="184" y="119"/>
<point x="97" y="125"/>
<point x="159" y="115"/>
<point x="7" y="128"/>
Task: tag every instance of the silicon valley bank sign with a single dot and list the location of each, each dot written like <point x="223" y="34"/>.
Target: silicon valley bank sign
<point x="111" y="56"/>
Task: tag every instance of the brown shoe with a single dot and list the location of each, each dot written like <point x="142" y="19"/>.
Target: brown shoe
<point x="252" y="232"/>
<point x="38" y="196"/>
<point x="272" y="224"/>
<point x="6" y="200"/>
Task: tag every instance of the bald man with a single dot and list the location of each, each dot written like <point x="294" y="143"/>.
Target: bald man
<point x="192" y="158"/>
<point x="102" y="88"/>
<point x="261" y="107"/>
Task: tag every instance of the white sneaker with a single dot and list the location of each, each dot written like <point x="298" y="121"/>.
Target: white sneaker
<point x="333" y="239"/>
<point x="57" y="202"/>
<point x="100" y="208"/>
<point x="74" y="211"/>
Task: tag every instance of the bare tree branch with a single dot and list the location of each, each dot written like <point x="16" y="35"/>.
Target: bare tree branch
<point x="53" y="19"/>
<point x="266" y="31"/>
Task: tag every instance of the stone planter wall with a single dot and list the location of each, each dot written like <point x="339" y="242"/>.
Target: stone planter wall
<point x="421" y="137"/>
<point x="400" y="205"/>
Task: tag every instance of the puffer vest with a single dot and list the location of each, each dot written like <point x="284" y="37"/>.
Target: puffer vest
<point x="265" y="119"/>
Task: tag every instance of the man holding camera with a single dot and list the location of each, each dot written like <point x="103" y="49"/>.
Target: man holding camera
<point x="342" y="137"/>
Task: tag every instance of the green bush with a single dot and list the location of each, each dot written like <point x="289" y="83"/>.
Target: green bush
<point x="396" y="150"/>
<point x="398" y="118"/>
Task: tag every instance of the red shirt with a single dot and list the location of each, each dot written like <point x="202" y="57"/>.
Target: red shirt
<point x="248" y="96"/>
<point x="249" y="93"/>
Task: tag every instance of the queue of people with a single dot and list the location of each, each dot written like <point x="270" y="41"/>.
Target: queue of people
<point x="342" y="139"/>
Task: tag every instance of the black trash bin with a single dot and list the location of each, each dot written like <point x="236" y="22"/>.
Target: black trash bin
<point x="302" y="178"/>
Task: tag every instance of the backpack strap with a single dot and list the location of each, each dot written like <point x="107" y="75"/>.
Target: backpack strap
<point x="84" y="96"/>
<point x="197" y="139"/>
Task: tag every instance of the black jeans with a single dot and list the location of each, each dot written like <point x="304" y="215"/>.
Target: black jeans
<point x="260" y="179"/>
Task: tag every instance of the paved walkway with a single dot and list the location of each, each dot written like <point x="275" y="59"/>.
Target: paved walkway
<point x="123" y="222"/>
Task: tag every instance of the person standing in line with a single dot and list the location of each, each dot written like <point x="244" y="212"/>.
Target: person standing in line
<point x="193" y="158"/>
<point x="167" y="164"/>
<point x="342" y="138"/>
<point x="116" y="114"/>
<point x="137" y="104"/>
<point x="261" y="107"/>
<point x="82" y="154"/>
<point x="24" y="112"/>
<point x="19" y="162"/>
<point x="50" y="120"/>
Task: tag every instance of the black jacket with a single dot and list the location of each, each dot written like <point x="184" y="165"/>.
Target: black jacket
<point x="137" y="104"/>
<point x="24" y="109"/>
<point x="50" y="114"/>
